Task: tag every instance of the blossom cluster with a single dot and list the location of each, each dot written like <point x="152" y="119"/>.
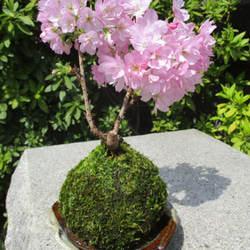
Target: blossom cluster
<point x="159" y="59"/>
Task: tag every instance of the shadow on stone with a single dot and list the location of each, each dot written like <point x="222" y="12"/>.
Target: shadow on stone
<point x="191" y="186"/>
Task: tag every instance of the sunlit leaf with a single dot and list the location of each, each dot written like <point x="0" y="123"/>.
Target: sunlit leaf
<point x="26" y="20"/>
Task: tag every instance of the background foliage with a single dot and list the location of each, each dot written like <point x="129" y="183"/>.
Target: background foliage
<point x="39" y="109"/>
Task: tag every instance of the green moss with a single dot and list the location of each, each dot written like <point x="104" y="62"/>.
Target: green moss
<point x="113" y="202"/>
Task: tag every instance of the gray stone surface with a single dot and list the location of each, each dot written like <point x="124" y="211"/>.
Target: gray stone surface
<point x="208" y="184"/>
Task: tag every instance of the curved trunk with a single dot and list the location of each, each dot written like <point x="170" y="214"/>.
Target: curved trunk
<point x="112" y="138"/>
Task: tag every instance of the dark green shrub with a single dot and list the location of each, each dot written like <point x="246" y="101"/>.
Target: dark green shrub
<point x="112" y="202"/>
<point x="36" y="108"/>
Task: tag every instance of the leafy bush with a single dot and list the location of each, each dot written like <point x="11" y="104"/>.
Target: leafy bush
<point x="21" y="66"/>
<point x="36" y="107"/>
<point x="234" y="117"/>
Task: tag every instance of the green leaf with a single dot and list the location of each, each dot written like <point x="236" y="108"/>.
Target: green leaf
<point x="3" y="115"/>
<point x="77" y="114"/>
<point x="246" y="112"/>
<point x="14" y="104"/>
<point x="33" y="104"/>
<point x="24" y="29"/>
<point x="238" y="37"/>
<point x="4" y="58"/>
<point x="197" y="13"/>
<point x="48" y="88"/>
<point x="226" y="58"/>
<point x="49" y="77"/>
<point x="7" y="11"/>
<point x="3" y="106"/>
<point x="222" y="111"/>
<point x="223" y="95"/>
<point x="231" y="112"/>
<point x="26" y="20"/>
<point x="69" y="104"/>
<point x="30" y="5"/>
<point x="190" y="103"/>
<point x="68" y="119"/>
<point x="16" y="154"/>
<point x="10" y="27"/>
<point x="7" y="42"/>
<point x="70" y="111"/>
<point x="231" y="90"/>
<point x="24" y="99"/>
<point x="56" y="85"/>
<point x="244" y="42"/>
<point x="233" y="54"/>
<point x="246" y="127"/>
<point x="15" y="7"/>
<point x="238" y="145"/>
<point x="43" y="106"/>
<point x="236" y="139"/>
<point x="82" y="107"/>
<point x="68" y="83"/>
<point x="62" y="95"/>
<point x="198" y="88"/>
<point x="245" y="98"/>
<point x="232" y="127"/>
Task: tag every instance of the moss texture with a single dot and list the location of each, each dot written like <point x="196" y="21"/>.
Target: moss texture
<point x="112" y="202"/>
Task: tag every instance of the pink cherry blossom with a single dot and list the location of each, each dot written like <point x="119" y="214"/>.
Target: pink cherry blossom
<point x="207" y="27"/>
<point x="89" y="42"/>
<point x="136" y="7"/>
<point x="98" y="76"/>
<point x="173" y="26"/>
<point x="50" y="12"/>
<point x="148" y="31"/>
<point x="88" y="20"/>
<point x="59" y="47"/>
<point x="161" y="57"/>
<point x="161" y="60"/>
<point x="188" y="51"/>
<point x="122" y="31"/>
<point x="180" y="14"/>
<point x="71" y="6"/>
<point x="113" y="69"/>
<point x="109" y="11"/>
<point x="107" y="47"/>
<point x="135" y="68"/>
<point x="48" y="35"/>
<point x="67" y="23"/>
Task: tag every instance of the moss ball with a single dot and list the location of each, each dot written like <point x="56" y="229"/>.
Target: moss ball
<point x="113" y="202"/>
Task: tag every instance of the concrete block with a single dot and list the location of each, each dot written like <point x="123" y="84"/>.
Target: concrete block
<point x="208" y="184"/>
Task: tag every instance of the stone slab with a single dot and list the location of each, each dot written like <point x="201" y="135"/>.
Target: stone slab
<point x="208" y="184"/>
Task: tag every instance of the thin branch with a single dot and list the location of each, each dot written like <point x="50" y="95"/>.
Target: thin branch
<point x="81" y="78"/>
<point x="122" y="111"/>
<point x="111" y="139"/>
<point x="133" y="100"/>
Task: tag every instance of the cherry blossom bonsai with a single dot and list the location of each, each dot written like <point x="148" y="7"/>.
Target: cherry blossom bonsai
<point x="114" y="197"/>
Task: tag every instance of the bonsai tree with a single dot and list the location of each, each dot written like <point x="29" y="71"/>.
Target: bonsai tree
<point x="114" y="197"/>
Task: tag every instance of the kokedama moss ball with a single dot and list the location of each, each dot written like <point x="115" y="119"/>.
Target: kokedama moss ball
<point x="113" y="202"/>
